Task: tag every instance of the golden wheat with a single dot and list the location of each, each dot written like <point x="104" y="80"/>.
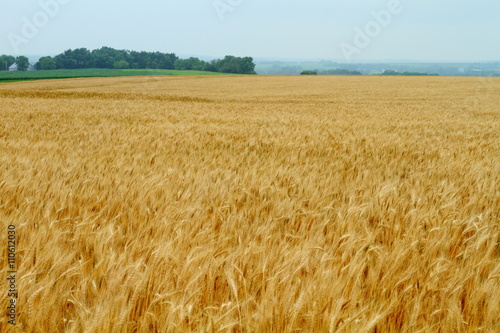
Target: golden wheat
<point x="253" y="204"/>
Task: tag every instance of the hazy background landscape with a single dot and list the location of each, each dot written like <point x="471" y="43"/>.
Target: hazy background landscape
<point x="284" y="37"/>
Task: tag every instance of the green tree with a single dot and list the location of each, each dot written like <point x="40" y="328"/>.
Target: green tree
<point x="210" y="66"/>
<point x="22" y="63"/>
<point x="73" y="59"/>
<point x="247" y="65"/>
<point x="390" y="72"/>
<point x="228" y="65"/>
<point x="6" y="61"/>
<point x="181" y="64"/>
<point x="83" y="58"/>
<point x="237" y="65"/>
<point x="105" y="57"/>
<point x="65" y="60"/>
<point x="169" y="60"/>
<point x="46" y="63"/>
<point x="121" y="64"/>
<point x="195" y="64"/>
<point x="340" y="71"/>
<point x="309" y="73"/>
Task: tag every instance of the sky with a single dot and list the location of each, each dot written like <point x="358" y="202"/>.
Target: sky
<point x="341" y="30"/>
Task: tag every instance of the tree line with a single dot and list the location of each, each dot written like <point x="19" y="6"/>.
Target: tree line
<point x="6" y="61"/>
<point x="393" y="72"/>
<point x="107" y="57"/>
<point x="337" y="71"/>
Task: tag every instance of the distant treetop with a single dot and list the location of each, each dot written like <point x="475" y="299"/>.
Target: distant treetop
<point x="107" y="57"/>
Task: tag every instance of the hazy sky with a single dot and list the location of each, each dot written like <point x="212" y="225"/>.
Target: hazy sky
<point x="444" y="30"/>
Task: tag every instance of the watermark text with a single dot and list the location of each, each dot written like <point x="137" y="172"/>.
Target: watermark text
<point x="30" y="27"/>
<point x="12" y="274"/>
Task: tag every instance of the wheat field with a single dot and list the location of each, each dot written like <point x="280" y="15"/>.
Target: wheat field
<point x="252" y="204"/>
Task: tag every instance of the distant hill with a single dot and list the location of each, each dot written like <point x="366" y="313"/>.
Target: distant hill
<point x="271" y="67"/>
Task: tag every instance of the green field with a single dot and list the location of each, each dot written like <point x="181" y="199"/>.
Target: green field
<point x="93" y="72"/>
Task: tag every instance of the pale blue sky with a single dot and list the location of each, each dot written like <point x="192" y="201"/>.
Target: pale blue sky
<point x="444" y="30"/>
